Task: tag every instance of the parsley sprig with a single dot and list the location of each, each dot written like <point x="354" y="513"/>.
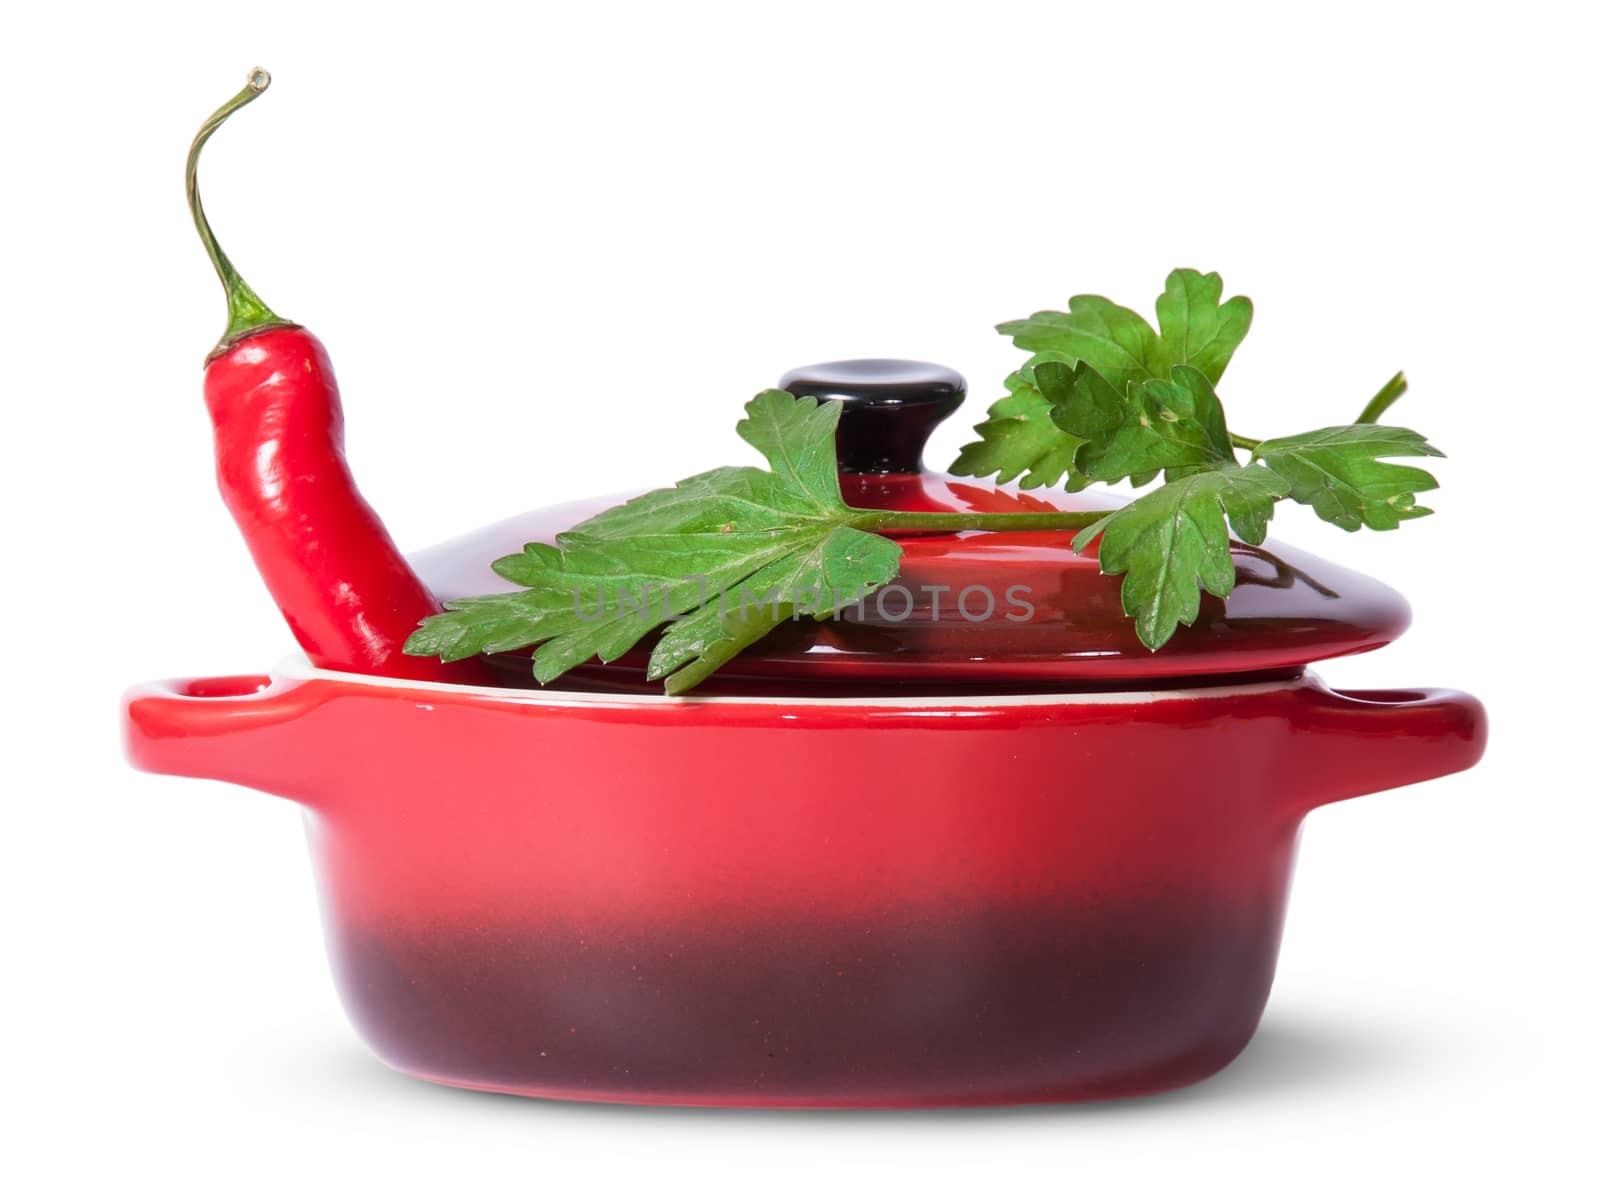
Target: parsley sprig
<point x="1105" y="397"/>
<point x="724" y="557"/>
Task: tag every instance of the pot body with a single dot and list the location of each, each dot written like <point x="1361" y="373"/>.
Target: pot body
<point x="802" y="903"/>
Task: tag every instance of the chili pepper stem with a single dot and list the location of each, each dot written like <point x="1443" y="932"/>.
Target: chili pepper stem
<point x="246" y="311"/>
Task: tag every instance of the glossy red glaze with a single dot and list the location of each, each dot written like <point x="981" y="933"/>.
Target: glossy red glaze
<point x="792" y="902"/>
<point x="347" y="594"/>
<point x="1288" y="608"/>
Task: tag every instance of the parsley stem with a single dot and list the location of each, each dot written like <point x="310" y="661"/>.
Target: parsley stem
<point x="976" y="521"/>
<point x="1384" y="399"/>
<point x="1243" y="442"/>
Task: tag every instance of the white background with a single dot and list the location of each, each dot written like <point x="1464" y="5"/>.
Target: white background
<point x="552" y="250"/>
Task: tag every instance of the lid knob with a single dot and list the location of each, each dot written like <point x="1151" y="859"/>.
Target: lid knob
<point x="891" y="407"/>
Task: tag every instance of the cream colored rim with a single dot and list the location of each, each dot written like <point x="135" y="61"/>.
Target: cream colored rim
<point x="299" y="669"/>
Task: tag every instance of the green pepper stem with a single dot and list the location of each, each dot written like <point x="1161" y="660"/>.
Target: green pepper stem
<point x="246" y="311"/>
<point x="977" y="521"/>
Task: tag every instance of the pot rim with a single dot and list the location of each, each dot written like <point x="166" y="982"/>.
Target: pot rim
<point x="298" y="668"/>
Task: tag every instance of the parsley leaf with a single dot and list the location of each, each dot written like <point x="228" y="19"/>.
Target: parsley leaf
<point x="1020" y="439"/>
<point x="1161" y="424"/>
<point x="1197" y="330"/>
<point x="1118" y="342"/>
<point x="1338" y="473"/>
<point x="1173" y="542"/>
<point x="736" y="551"/>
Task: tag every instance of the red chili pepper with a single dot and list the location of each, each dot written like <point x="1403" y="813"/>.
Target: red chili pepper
<point x="348" y="595"/>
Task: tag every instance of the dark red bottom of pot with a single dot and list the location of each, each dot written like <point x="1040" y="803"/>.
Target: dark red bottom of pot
<point x="948" y="1009"/>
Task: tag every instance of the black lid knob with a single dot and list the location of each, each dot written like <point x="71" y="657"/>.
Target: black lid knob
<point x="890" y="408"/>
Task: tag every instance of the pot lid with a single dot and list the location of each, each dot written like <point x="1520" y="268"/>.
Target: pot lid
<point x="975" y="609"/>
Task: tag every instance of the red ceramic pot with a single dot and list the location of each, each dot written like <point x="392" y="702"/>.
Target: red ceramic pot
<point x="899" y="865"/>
<point x="803" y="902"/>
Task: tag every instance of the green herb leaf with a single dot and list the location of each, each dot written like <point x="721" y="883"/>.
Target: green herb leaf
<point x="1162" y="424"/>
<point x="1173" y="542"/>
<point x="1197" y="329"/>
<point x="1338" y="473"/>
<point x="1117" y="342"/>
<point x="1019" y="439"/>
<point x="736" y="551"/>
<point x="816" y="579"/>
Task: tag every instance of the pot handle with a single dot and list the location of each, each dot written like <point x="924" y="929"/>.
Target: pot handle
<point x="1357" y="742"/>
<point x="232" y="729"/>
